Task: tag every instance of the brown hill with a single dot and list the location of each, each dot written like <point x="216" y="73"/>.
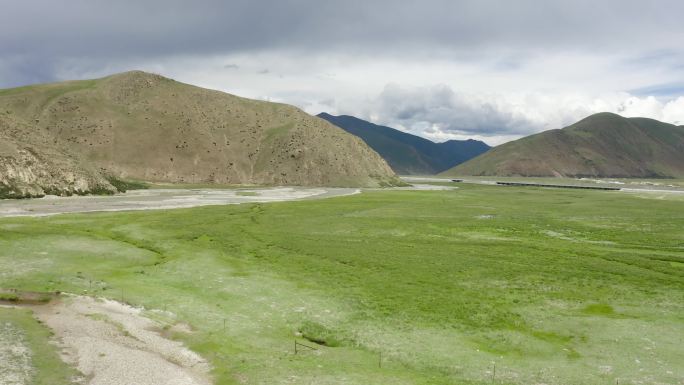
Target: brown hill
<point x="601" y="145"/>
<point x="141" y="126"/>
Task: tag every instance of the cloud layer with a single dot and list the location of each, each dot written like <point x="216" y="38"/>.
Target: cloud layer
<point x="439" y="68"/>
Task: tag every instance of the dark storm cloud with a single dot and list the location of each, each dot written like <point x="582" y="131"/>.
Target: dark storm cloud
<point x="449" y="112"/>
<point x="666" y="91"/>
<point x="325" y="54"/>
<point x="37" y="35"/>
<point x="167" y="26"/>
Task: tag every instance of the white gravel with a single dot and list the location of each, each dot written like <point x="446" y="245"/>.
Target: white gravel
<point x="113" y="344"/>
<point x="15" y="356"/>
<point x="645" y="190"/>
<point x="158" y="199"/>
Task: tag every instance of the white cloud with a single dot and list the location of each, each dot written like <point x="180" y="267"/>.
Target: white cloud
<point x="439" y="113"/>
<point x="673" y="111"/>
<point x="645" y="107"/>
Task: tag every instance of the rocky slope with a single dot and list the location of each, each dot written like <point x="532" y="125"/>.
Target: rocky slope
<point x="32" y="165"/>
<point x="141" y="126"/>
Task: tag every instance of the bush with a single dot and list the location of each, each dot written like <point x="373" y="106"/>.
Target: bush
<point x="319" y="334"/>
<point x="123" y="186"/>
<point x="11" y="297"/>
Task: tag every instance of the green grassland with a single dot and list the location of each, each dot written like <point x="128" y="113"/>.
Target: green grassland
<point x="479" y="285"/>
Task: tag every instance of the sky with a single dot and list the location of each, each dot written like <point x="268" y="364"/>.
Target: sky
<point x="441" y="69"/>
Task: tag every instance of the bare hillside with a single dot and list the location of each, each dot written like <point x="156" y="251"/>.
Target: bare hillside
<point x="141" y="126"/>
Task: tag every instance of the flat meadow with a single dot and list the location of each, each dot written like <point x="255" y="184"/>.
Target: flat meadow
<point x="477" y="285"/>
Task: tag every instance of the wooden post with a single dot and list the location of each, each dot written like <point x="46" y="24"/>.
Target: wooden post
<point x="379" y="359"/>
<point x="295" y="347"/>
<point x="494" y="372"/>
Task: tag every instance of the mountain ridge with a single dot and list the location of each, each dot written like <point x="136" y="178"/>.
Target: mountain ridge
<point x="600" y="145"/>
<point x="407" y="153"/>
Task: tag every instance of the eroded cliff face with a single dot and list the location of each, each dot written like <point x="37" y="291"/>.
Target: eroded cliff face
<point x="33" y="165"/>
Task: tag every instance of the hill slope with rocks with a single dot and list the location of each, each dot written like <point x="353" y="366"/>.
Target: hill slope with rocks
<point x="76" y="136"/>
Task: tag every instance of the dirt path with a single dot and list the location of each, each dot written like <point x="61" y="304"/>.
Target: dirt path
<point x="113" y="344"/>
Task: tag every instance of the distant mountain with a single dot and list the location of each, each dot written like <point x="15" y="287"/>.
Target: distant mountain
<point x="601" y="145"/>
<point x="77" y="136"/>
<point x="406" y="153"/>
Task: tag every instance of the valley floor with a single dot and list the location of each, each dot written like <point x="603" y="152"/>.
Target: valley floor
<point x="477" y="285"/>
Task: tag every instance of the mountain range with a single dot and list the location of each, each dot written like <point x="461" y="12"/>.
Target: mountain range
<point x="80" y="136"/>
<point x="601" y="145"/>
<point x="409" y="154"/>
<point x="91" y="136"/>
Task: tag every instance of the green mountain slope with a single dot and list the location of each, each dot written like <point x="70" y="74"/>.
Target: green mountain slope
<point x="141" y="126"/>
<point x="406" y="153"/>
<point x="601" y="145"/>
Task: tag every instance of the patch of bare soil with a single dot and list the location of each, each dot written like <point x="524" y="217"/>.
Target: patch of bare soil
<point x="113" y="344"/>
<point x="15" y="356"/>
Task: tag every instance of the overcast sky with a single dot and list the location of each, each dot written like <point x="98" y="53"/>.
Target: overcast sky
<point x="442" y="69"/>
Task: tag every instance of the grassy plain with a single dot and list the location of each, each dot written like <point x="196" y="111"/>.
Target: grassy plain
<point x="479" y="285"/>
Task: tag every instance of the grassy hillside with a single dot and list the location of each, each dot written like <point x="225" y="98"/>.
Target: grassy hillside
<point x="141" y="126"/>
<point x="398" y="287"/>
<point x="409" y="154"/>
<point x="602" y="145"/>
